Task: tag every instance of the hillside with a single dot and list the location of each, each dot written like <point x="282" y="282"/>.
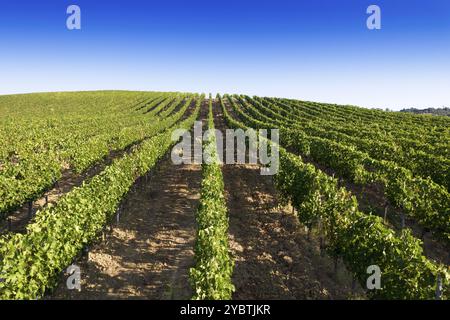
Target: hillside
<point x="89" y="179"/>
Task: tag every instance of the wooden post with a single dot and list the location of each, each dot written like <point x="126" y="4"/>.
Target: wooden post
<point x="86" y="252"/>
<point x="9" y="224"/>
<point x="321" y="245"/>
<point x="46" y="199"/>
<point x="118" y="216"/>
<point x="439" y="287"/>
<point x="385" y="213"/>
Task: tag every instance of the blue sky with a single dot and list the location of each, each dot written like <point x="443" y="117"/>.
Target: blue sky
<point x="317" y="50"/>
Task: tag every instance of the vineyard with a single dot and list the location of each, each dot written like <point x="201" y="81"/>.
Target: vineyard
<point x="87" y="180"/>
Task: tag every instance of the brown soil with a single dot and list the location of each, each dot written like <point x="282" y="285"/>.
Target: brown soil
<point x="149" y="252"/>
<point x="273" y="257"/>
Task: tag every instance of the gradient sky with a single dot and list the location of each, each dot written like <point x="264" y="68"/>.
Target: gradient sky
<point x="315" y="50"/>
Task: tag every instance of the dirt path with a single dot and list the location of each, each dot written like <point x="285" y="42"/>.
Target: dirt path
<point x="149" y="253"/>
<point x="273" y="258"/>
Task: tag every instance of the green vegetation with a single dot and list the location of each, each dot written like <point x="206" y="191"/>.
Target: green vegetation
<point x="211" y="276"/>
<point x="31" y="262"/>
<point x="44" y="134"/>
<point x="326" y="150"/>
<point x="421" y="198"/>
<point x="360" y="240"/>
<point x="434" y="111"/>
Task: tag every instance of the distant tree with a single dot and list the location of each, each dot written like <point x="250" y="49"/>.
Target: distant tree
<point x="444" y="111"/>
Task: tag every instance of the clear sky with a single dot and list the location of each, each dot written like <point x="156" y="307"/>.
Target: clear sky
<point x="317" y="50"/>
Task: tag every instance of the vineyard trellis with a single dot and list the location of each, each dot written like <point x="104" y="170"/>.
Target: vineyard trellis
<point x="45" y="136"/>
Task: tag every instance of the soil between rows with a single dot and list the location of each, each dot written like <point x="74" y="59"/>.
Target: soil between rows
<point x="149" y="253"/>
<point x="273" y="257"/>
